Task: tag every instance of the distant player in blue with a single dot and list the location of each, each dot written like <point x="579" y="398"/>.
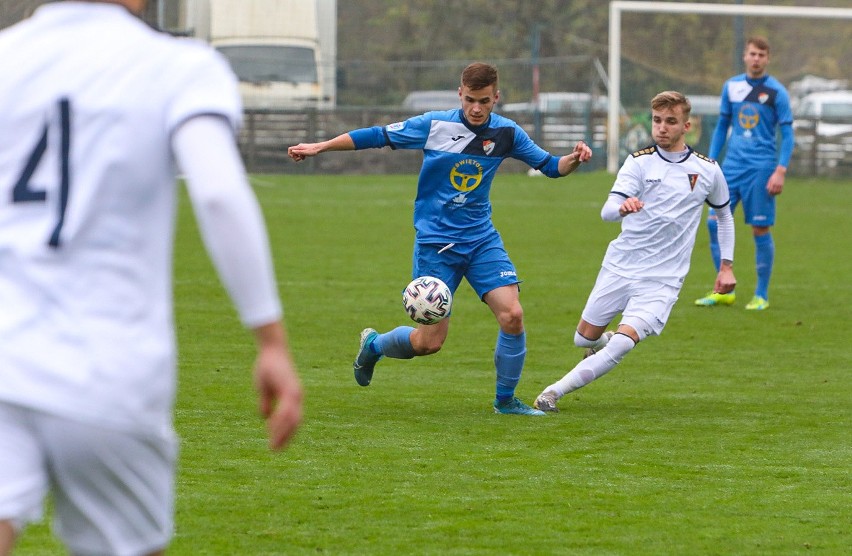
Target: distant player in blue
<point x="754" y="106"/>
<point x="454" y="235"/>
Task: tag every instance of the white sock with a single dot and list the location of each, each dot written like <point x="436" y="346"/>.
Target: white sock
<point x="593" y="367"/>
<point x="582" y="342"/>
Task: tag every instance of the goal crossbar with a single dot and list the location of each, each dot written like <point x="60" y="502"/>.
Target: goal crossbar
<point x="616" y="7"/>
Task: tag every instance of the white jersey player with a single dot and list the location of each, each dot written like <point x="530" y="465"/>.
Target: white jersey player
<point x="658" y="196"/>
<point x="99" y="112"/>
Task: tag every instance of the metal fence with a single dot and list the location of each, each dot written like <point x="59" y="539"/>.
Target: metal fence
<point x="266" y="135"/>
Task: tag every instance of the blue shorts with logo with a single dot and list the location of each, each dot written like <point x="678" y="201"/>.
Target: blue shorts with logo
<point x="749" y="186"/>
<point x="485" y="264"/>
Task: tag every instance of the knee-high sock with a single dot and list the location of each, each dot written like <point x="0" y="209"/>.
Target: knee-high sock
<point x="593" y="367"/>
<point x="395" y="344"/>
<point x="764" y="256"/>
<point x="582" y="342"/>
<point x="509" y="358"/>
<point x="713" y="228"/>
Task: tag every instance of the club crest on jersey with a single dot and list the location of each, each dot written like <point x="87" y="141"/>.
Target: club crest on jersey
<point x="466" y="175"/>
<point x="748" y="118"/>
<point x="762" y="98"/>
<point x="488" y="146"/>
<point x="693" y="179"/>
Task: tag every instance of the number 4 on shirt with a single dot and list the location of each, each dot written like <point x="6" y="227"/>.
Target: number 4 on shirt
<point x="24" y="193"/>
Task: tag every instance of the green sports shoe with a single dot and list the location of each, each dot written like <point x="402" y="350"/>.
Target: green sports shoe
<point x="714" y="298"/>
<point x="515" y="406"/>
<point x="365" y="361"/>
<point x="757" y="303"/>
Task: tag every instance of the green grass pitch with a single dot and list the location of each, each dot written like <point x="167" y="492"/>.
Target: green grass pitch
<point x="729" y="434"/>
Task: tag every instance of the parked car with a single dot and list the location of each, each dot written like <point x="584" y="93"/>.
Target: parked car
<point x="833" y="109"/>
<point x="823" y="126"/>
<point x="704" y="105"/>
<point x="423" y="101"/>
<point x="561" y="102"/>
<point x="704" y="117"/>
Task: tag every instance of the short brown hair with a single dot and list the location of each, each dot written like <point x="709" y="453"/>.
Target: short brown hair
<point x="759" y="42"/>
<point x="670" y="99"/>
<point x="479" y="75"/>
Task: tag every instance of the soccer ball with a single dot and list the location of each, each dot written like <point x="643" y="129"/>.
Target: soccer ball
<point x="427" y="300"/>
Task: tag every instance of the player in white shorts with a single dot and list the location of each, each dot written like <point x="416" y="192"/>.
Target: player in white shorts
<point x="99" y="112"/>
<point x="658" y="196"/>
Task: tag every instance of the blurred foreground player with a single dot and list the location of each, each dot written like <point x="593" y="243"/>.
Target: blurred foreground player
<point x="98" y="112"/>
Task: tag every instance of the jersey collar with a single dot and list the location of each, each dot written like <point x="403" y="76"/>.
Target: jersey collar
<point x="676" y="157"/>
<point x="474" y="128"/>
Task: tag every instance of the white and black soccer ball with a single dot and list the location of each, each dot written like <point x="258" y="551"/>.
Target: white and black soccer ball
<point x="427" y="300"/>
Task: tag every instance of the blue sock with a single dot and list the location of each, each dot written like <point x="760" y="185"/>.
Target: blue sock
<point x="713" y="228"/>
<point x="764" y="256"/>
<point x="395" y="344"/>
<point x="509" y="358"/>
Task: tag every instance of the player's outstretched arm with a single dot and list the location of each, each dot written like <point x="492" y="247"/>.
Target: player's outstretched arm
<point x="303" y="150"/>
<point x="234" y="234"/>
<point x="278" y="387"/>
<point x="570" y="162"/>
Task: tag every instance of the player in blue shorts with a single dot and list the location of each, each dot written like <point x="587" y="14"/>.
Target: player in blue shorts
<point x="454" y="235"/>
<point x="754" y="106"/>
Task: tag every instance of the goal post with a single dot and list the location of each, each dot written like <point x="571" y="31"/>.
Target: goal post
<point x="617" y="7"/>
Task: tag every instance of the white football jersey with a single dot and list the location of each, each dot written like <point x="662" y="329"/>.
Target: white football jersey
<point x="656" y="242"/>
<point x="90" y="96"/>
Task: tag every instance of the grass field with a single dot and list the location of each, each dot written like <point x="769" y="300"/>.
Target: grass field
<point x="729" y="434"/>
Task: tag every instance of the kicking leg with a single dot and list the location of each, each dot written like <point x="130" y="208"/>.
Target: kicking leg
<point x="590" y="368"/>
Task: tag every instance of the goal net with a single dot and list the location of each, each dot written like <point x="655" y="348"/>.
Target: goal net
<point x="647" y="41"/>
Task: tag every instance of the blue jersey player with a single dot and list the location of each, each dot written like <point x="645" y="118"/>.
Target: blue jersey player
<point x="454" y="235"/>
<point x="754" y="106"/>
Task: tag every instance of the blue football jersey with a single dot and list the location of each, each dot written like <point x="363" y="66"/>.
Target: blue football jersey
<point x="756" y="108"/>
<point x="459" y="164"/>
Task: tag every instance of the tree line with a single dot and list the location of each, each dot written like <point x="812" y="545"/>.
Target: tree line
<point x="389" y="47"/>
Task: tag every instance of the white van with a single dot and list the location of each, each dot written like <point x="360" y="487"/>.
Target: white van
<point x="827" y="117"/>
<point x="561" y="102"/>
<point x="424" y="101"/>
